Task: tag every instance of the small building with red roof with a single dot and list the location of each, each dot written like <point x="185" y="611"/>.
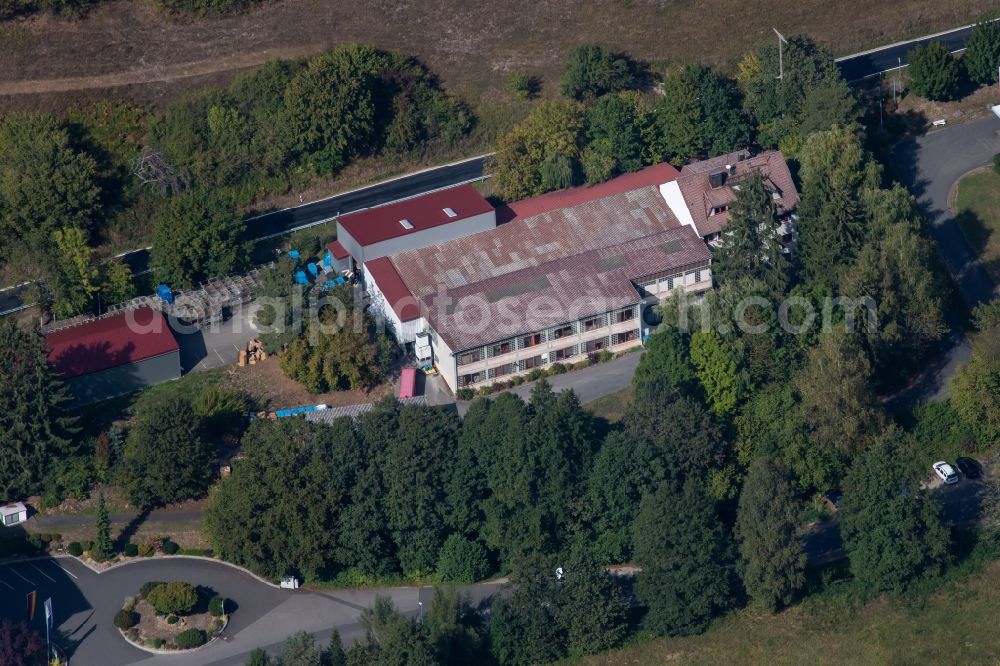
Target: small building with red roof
<point x="116" y="355"/>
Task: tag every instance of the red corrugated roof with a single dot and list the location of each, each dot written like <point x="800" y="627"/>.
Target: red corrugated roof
<point x="111" y="342"/>
<point x="395" y="291"/>
<point x="408" y="383"/>
<point x="658" y="174"/>
<point x="424" y="212"/>
<point x="337" y="250"/>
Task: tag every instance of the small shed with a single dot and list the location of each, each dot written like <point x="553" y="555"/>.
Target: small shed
<point x="408" y="383"/>
<point x="13" y="514"/>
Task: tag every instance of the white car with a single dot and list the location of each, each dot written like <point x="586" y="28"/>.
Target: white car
<point x="946" y="472"/>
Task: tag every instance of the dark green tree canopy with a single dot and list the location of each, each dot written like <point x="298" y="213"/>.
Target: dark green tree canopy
<point x="199" y="235"/>
<point x="36" y="429"/>
<point x="751" y="246"/>
<point x="687" y="559"/>
<point x="934" y="72"/>
<point x="771" y="562"/>
<point x="592" y="71"/>
<point x="165" y="458"/>
<point x="982" y="52"/>
<point x="891" y="527"/>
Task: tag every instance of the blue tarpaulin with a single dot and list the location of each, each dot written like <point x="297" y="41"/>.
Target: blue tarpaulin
<point x="165" y="294"/>
<point x="313" y="268"/>
<point x="300" y="277"/>
<point x="294" y="254"/>
<point x="328" y="259"/>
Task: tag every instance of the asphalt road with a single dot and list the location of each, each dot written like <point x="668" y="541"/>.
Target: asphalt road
<point x="289" y="219"/>
<point x="871" y="63"/>
<point x="854" y="67"/>
<point x="84" y="605"/>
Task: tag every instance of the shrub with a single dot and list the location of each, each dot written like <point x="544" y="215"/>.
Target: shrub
<point x="75" y="549"/>
<point x="215" y="606"/>
<point x="169" y="547"/>
<point x="517" y="380"/>
<point x="591" y="71"/>
<point x="173" y="597"/>
<point x="521" y="85"/>
<point x="50" y="498"/>
<point x="190" y="638"/>
<point x="557" y="368"/>
<point x="535" y="374"/>
<point x="155" y="643"/>
<point x="462" y="560"/>
<point x="604" y="356"/>
<point x="145" y="550"/>
<point x="149" y="587"/>
<point x="129" y="603"/>
<point x="126" y="619"/>
<point x="172" y="619"/>
<point x="465" y="393"/>
<point x="131" y="550"/>
<point x="996" y="163"/>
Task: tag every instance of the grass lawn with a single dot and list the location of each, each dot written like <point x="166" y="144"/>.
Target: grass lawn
<point x="612" y="407"/>
<point x="977" y="203"/>
<point x="953" y="626"/>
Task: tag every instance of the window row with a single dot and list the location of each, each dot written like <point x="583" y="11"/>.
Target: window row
<point x="535" y="339"/>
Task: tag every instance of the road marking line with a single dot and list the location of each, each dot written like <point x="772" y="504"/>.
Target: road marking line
<point x="6" y="584"/>
<point x="43" y="573"/>
<point x="65" y="569"/>
<point x="25" y="579"/>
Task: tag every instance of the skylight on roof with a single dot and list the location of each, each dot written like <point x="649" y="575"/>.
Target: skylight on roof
<point x="450" y="212"/>
<point x="406" y="224"/>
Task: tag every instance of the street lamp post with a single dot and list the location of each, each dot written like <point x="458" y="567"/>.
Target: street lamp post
<point x="420" y="606"/>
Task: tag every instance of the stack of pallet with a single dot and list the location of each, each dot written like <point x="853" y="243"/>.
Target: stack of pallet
<point x="253" y="353"/>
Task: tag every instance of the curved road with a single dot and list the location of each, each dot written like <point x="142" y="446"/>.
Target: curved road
<point x="84" y="604"/>
<point x="930" y="166"/>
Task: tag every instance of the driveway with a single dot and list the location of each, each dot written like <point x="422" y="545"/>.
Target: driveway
<point x="84" y="604"/>
<point x="589" y="383"/>
<point x="930" y="166"/>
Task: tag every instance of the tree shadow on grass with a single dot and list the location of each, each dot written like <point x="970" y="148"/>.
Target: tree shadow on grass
<point x="979" y="235"/>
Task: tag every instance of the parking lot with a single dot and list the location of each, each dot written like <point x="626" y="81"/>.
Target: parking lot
<point x="49" y="578"/>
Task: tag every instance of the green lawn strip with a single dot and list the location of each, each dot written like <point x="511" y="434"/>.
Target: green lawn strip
<point x="612" y="407"/>
<point x="977" y="206"/>
<point x="952" y="625"/>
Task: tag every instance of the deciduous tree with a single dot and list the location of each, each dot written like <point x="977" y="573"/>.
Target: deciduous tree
<point x="165" y="459"/>
<point x="199" y="235"/>
<point x="891" y="527"/>
<point x="686" y="558"/>
<point x="592" y="71"/>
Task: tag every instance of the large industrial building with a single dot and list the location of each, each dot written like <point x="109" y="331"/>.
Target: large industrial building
<point x="497" y="292"/>
<point x="105" y="358"/>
